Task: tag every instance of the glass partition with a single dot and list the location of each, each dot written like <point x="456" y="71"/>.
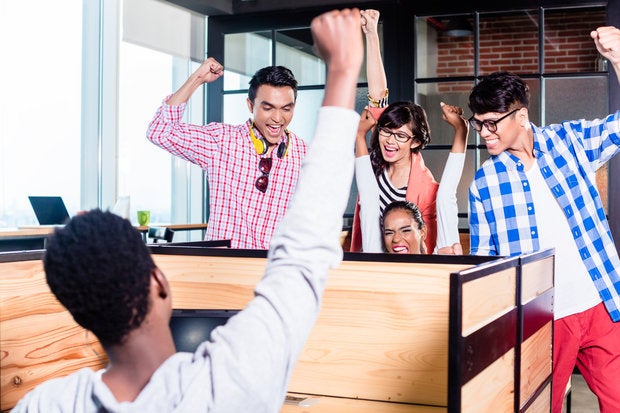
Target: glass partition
<point x="40" y="113"/>
<point x="445" y="46"/>
<point x="244" y="54"/>
<point x="144" y="170"/>
<point x="509" y="42"/>
<point x="294" y="50"/>
<point x="568" y="46"/>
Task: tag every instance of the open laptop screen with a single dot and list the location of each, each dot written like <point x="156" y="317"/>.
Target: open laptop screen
<point x="50" y="210"/>
<point x="192" y="327"/>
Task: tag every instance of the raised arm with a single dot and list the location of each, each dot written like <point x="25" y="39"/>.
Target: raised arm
<point x="209" y="71"/>
<point x="448" y="241"/>
<point x="266" y="338"/>
<point x="367" y="187"/>
<point x="375" y="72"/>
<point x="454" y="116"/>
<point x="607" y="41"/>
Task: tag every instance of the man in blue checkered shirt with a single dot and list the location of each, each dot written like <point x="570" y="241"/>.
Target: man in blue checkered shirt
<point x="537" y="190"/>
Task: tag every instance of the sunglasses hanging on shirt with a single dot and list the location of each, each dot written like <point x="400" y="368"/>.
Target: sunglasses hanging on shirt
<point x="264" y="166"/>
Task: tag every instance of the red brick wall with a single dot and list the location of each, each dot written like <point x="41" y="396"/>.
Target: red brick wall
<point x="511" y="43"/>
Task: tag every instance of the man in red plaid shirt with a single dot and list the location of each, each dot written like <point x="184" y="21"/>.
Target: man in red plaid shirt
<point x="252" y="168"/>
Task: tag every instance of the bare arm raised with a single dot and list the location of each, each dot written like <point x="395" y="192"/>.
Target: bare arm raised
<point x="447" y="208"/>
<point x="209" y="71"/>
<point x="375" y="72"/>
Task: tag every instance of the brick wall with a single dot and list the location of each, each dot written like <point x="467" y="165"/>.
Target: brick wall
<point x="511" y="43"/>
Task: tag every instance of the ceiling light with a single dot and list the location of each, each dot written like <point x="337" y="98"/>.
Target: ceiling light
<point x="458" y="27"/>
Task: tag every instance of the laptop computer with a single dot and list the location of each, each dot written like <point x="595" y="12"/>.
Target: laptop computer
<point x="50" y="210"/>
<point x="192" y="327"/>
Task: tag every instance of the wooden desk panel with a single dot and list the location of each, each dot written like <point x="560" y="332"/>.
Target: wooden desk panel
<point x="380" y="343"/>
<point x="40" y="339"/>
<point x="323" y="404"/>
<point x="382" y="332"/>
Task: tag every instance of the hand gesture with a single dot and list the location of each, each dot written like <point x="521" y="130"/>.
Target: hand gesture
<point x="454" y="116"/>
<point x="209" y="71"/>
<point x="370" y="21"/>
<point x="367" y="122"/>
<point x="454" y="249"/>
<point x="337" y="39"/>
<point x="607" y="41"/>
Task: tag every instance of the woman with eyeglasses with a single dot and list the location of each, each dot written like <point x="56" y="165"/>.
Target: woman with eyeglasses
<point x="393" y="169"/>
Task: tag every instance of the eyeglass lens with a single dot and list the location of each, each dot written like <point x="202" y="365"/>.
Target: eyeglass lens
<point x="491" y="125"/>
<point x="400" y="137"/>
<point x="264" y="166"/>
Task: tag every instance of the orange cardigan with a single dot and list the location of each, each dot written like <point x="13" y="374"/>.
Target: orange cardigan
<point x="422" y="191"/>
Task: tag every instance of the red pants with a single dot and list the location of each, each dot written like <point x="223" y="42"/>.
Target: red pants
<point x="591" y="341"/>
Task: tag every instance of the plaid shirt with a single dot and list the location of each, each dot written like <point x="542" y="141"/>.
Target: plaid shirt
<point x="502" y="216"/>
<point x="238" y="211"/>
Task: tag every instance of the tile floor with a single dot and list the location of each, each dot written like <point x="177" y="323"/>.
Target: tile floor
<point x="582" y="399"/>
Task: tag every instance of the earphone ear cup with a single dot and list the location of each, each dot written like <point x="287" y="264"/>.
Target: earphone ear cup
<point x="260" y="146"/>
<point x="283" y="147"/>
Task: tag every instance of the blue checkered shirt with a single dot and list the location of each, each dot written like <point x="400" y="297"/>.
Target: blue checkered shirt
<point x="502" y="215"/>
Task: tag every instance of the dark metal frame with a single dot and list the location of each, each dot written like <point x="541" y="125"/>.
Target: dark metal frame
<point x="399" y="34"/>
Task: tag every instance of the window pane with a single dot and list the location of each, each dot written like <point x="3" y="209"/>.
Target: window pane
<point x="509" y="42"/>
<point x="235" y="108"/>
<point x="575" y="98"/>
<point x="435" y="160"/>
<point x="568" y="46"/>
<point x="429" y="97"/>
<point x="306" y="111"/>
<point x="579" y="98"/>
<point x="294" y="51"/>
<point x="41" y="109"/>
<point x="245" y="53"/>
<point x="144" y="170"/>
<point x="445" y="46"/>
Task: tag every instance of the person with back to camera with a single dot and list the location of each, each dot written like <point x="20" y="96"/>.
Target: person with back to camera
<point x="537" y="190"/>
<point x="111" y="285"/>
<point x="252" y="168"/>
<point x="394" y="170"/>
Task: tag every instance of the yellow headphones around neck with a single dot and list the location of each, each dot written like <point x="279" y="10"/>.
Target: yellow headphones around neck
<point x="261" y="145"/>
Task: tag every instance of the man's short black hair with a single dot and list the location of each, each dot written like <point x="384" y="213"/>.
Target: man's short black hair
<point x="278" y="76"/>
<point x="499" y="92"/>
<point x="99" y="268"/>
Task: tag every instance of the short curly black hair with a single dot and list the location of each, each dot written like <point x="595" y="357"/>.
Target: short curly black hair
<point x="99" y="268"/>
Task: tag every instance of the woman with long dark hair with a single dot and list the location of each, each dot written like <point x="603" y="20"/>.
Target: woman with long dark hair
<point x="401" y="131"/>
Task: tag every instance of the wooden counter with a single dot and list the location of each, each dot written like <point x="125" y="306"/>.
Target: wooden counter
<point x="34" y="237"/>
<point x="411" y="334"/>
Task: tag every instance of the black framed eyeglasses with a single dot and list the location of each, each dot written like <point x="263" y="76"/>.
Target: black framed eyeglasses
<point x="491" y="125"/>
<point x="399" y="136"/>
<point x="264" y="166"/>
